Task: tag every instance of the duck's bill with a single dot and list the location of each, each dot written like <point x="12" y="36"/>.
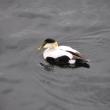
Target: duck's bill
<point x="39" y="48"/>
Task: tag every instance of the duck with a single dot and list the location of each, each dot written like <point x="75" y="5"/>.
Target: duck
<point x="63" y="56"/>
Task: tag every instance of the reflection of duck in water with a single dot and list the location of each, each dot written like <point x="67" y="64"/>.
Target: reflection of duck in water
<point x="63" y="56"/>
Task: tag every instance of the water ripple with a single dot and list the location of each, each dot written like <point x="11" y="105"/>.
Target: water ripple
<point x="31" y="15"/>
<point x="7" y="80"/>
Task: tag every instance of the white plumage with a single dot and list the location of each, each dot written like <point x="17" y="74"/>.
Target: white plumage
<point x="55" y="53"/>
<point x="62" y="55"/>
<point x="60" y="51"/>
<point x="67" y="48"/>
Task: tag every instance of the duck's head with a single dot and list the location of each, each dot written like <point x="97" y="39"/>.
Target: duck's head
<point x="49" y="43"/>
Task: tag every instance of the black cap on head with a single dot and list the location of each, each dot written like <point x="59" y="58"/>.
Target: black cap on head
<point x="49" y="40"/>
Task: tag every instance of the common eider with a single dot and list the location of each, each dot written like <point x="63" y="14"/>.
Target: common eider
<point x="63" y="56"/>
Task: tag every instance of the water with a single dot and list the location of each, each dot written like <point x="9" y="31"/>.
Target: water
<point x="25" y="84"/>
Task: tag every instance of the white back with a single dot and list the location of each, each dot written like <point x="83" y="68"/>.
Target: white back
<point x="55" y="53"/>
<point x="67" y="48"/>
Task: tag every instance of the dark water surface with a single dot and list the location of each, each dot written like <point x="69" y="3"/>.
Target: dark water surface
<point x="25" y="84"/>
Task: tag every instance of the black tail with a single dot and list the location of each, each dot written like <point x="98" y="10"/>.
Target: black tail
<point x="81" y="63"/>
